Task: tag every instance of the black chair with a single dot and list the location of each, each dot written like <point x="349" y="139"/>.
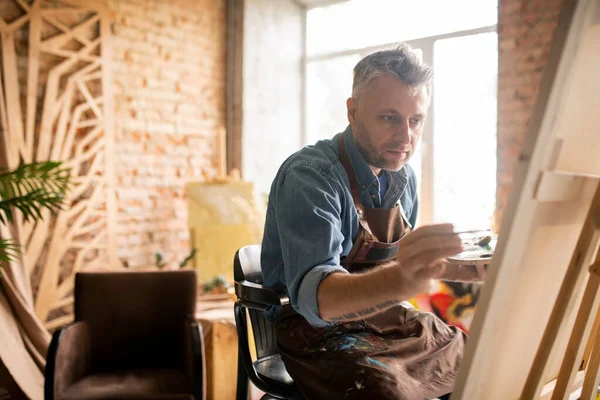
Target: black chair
<point x="267" y="373"/>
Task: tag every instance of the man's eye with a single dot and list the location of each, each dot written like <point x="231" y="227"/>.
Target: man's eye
<point x="389" y="118"/>
<point x="415" y="121"/>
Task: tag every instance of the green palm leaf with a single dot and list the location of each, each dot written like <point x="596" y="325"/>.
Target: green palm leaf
<point x="8" y="251"/>
<point x="32" y="188"/>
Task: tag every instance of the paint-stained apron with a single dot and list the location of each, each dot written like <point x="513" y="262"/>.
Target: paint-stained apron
<point x="400" y="353"/>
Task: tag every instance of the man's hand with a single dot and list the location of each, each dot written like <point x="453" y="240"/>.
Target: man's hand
<point x="349" y="297"/>
<point x="421" y="256"/>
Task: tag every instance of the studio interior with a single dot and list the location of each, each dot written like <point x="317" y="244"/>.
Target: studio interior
<point x="299" y="199"/>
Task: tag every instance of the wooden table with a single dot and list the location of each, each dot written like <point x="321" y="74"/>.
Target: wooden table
<point x="215" y="314"/>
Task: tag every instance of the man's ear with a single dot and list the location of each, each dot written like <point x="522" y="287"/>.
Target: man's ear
<point x="352" y="106"/>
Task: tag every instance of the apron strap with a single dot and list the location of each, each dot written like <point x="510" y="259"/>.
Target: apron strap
<point x="351" y="177"/>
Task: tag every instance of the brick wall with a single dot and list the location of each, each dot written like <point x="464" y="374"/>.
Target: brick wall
<point x="525" y="33"/>
<point x="169" y="87"/>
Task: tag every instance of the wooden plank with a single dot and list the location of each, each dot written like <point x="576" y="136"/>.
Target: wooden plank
<point x="67" y="301"/>
<point x="33" y="66"/>
<point x="11" y="91"/>
<point x="19" y="22"/>
<point x="234" y="96"/>
<point x="58" y="41"/>
<point x="24" y="5"/>
<point x="51" y="96"/>
<point x="77" y="35"/>
<point x="69" y="54"/>
<point x="88" y="5"/>
<point x="6" y="156"/>
<point x="89" y="98"/>
<point x="59" y="322"/>
<point x="38" y="239"/>
<point x="109" y="135"/>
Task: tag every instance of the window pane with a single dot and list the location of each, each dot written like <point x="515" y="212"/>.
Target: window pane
<point x="328" y="85"/>
<point x="357" y="24"/>
<point x="465" y="130"/>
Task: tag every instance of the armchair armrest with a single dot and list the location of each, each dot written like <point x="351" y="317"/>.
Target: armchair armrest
<point x="194" y="359"/>
<point x="259" y="296"/>
<point x="69" y="358"/>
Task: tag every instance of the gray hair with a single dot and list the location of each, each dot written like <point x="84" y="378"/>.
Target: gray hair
<point x="401" y="62"/>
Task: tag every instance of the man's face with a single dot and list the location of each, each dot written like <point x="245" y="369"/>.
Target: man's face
<point x="387" y="121"/>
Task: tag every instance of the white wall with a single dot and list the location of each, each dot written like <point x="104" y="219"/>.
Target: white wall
<point x="272" y="89"/>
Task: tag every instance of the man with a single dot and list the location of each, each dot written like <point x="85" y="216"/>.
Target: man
<point x="337" y="240"/>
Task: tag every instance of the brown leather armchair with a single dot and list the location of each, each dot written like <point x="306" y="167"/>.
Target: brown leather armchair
<point x="134" y="337"/>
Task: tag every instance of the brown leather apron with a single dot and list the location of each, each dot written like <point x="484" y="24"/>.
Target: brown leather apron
<point x="399" y="353"/>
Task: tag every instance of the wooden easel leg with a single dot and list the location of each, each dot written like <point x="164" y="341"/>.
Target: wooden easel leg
<point x="592" y="376"/>
<point x="586" y="245"/>
<point x="573" y="355"/>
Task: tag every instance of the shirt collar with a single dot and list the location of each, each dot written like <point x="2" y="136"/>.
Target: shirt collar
<point x="365" y="177"/>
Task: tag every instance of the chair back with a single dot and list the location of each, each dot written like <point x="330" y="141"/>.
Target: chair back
<point x="136" y="319"/>
<point x="247" y="268"/>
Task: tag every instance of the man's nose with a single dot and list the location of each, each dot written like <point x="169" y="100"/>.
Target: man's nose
<point x="402" y="134"/>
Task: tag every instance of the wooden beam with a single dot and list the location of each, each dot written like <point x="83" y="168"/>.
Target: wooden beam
<point x="234" y="84"/>
<point x="59" y="322"/>
<point x="13" y="103"/>
<point x="33" y="67"/>
<point x="109" y="133"/>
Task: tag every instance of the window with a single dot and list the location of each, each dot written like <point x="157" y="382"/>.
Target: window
<point x="456" y="159"/>
<point x="358" y="24"/>
<point x="464" y="127"/>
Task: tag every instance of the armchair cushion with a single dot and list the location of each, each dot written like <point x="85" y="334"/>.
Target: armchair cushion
<point x="131" y="384"/>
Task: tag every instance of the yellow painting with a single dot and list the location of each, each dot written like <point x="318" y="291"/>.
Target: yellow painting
<point x="223" y="216"/>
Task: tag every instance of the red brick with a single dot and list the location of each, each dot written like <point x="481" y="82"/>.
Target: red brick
<point x="169" y="87"/>
<point x="524" y="39"/>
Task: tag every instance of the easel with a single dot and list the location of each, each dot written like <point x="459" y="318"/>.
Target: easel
<point x="536" y="331"/>
<point x="574" y="353"/>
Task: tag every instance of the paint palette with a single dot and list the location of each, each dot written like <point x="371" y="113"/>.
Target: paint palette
<point x="478" y="249"/>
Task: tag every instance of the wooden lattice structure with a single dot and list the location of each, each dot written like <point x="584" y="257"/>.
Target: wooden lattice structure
<point x="56" y="104"/>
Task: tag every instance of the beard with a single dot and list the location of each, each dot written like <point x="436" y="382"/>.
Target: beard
<point x="371" y="155"/>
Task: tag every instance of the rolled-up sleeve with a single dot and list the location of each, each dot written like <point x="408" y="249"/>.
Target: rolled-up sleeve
<point x="308" y="209"/>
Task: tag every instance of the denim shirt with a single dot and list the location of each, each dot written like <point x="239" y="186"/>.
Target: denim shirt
<point x="311" y="220"/>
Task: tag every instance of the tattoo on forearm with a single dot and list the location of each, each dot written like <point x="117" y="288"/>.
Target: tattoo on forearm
<point x="347" y="317"/>
<point x="365" y="312"/>
<point x="387" y="304"/>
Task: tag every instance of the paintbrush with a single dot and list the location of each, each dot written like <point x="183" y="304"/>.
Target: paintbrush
<point x="471" y="231"/>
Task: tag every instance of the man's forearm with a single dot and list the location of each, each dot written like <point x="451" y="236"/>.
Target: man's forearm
<point x="349" y="297"/>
